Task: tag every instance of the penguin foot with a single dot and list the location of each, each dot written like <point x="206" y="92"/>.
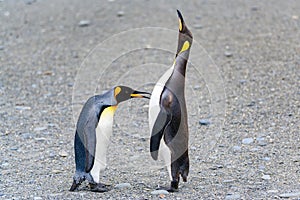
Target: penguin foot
<point x="74" y="186"/>
<point x="169" y="189"/>
<point x="99" y="187"/>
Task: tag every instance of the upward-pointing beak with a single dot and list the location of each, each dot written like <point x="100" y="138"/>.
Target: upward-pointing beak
<point x="139" y="94"/>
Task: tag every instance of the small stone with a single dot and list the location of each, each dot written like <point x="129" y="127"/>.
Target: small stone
<point x="120" y="13"/>
<point x="295" y="17"/>
<point x="204" y="122"/>
<point x="56" y="171"/>
<point x="40" y="128"/>
<point x="237" y="148"/>
<point x="84" y="23"/>
<point x="197" y="87"/>
<point x="272" y="191"/>
<point x="228" y="54"/>
<point x="215" y="167"/>
<point x="123" y="185"/>
<point x="251" y="104"/>
<point x="247" y="140"/>
<point x="228" y="181"/>
<point x="5" y="164"/>
<point x="1" y="47"/>
<point x="40" y="139"/>
<point x="159" y="192"/>
<point x="63" y="154"/>
<point x="266" y="158"/>
<point x="289" y="195"/>
<point x="27" y="135"/>
<point x="37" y="198"/>
<point x="48" y="73"/>
<point x="266" y="177"/>
<point x="254" y="8"/>
<point x="243" y="81"/>
<point x="23" y="108"/>
<point x="232" y="196"/>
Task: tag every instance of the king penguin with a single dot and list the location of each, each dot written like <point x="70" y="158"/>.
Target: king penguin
<point x="93" y="131"/>
<point x="168" y="120"/>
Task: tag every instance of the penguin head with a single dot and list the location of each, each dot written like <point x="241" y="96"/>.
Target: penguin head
<point x="123" y="93"/>
<point x="182" y="26"/>
<point x="185" y="38"/>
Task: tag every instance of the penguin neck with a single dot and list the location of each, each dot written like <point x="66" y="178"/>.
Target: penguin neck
<point x="180" y="66"/>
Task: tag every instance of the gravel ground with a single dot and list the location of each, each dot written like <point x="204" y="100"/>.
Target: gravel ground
<point x="243" y="95"/>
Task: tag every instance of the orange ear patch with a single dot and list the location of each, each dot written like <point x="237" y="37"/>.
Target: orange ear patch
<point x="180" y="25"/>
<point x="117" y="91"/>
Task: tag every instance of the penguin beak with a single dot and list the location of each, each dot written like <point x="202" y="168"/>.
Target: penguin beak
<point x="139" y="94"/>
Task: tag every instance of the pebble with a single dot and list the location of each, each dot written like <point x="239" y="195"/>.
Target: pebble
<point x="158" y="192"/>
<point x="228" y="181"/>
<point x="266" y="177"/>
<point x="266" y="159"/>
<point x="272" y="191"/>
<point x="23" y="108"/>
<point x="204" y="122"/>
<point x="289" y="195"/>
<point x="247" y="140"/>
<point x="40" y="139"/>
<point x="228" y="54"/>
<point x="37" y="198"/>
<point x="1" y="47"/>
<point x="56" y="171"/>
<point x="63" y="154"/>
<point x="232" y="196"/>
<point x="237" y="148"/>
<point x="84" y="23"/>
<point x="123" y="185"/>
<point x="40" y="128"/>
<point x="27" y="135"/>
<point x="120" y="13"/>
<point x="197" y="87"/>
<point x="261" y="141"/>
<point x="215" y="167"/>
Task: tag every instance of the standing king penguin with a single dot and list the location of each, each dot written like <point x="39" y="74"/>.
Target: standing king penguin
<point x="168" y="114"/>
<point x="94" y="128"/>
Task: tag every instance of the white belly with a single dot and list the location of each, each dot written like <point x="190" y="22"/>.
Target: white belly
<point x="103" y="134"/>
<point x="154" y="108"/>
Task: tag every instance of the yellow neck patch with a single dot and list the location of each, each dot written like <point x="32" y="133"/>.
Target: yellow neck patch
<point x="186" y="46"/>
<point x="117" y="91"/>
<point x="180" y="25"/>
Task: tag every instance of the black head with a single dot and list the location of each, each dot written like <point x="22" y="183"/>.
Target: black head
<point x="123" y="93"/>
<point x="185" y="37"/>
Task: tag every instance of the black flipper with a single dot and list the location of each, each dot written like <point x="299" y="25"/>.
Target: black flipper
<point x="90" y="144"/>
<point x="162" y="120"/>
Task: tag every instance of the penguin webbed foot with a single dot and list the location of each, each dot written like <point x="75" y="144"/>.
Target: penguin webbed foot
<point x="173" y="188"/>
<point x="74" y="186"/>
<point x="99" y="187"/>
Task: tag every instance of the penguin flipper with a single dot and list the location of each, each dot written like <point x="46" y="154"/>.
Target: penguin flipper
<point x="162" y="120"/>
<point x="90" y="147"/>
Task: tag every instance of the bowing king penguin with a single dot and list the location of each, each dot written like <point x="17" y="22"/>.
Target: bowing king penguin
<point x="93" y="130"/>
<point x="168" y="114"/>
